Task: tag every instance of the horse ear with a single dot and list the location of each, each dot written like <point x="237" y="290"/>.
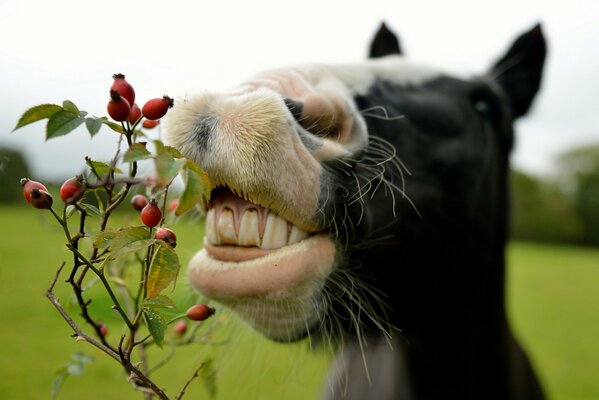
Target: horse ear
<point x="384" y="43"/>
<point x="520" y="70"/>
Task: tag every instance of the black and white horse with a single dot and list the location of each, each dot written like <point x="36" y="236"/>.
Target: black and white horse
<point x="367" y="205"/>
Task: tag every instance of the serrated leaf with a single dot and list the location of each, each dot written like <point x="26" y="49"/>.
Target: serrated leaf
<point x="156" y="325"/>
<point x="197" y="184"/>
<point x="160" y="301"/>
<point x="101" y="167"/>
<point x="167" y="166"/>
<point x="208" y="377"/>
<point x="112" y="125"/>
<point x="62" y="123"/>
<point x="137" y="152"/>
<point x="93" y="125"/>
<point x="164" y="269"/>
<point x="117" y="239"/>
<point x="69" y="106"/>
<point x="132" y="247"/>
<point x="37" y="113"/>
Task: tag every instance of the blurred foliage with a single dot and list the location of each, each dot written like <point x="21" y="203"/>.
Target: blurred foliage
<point x="564" y="208"/>
<point x="579" y="174"/>
<point x="13" y="167"/>
<point x="540" y="212"/>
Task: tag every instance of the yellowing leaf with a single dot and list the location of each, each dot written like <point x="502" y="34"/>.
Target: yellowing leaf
<point x="164" y="269"/>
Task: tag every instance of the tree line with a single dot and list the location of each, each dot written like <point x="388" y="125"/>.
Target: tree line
<point x="561" y="208"/>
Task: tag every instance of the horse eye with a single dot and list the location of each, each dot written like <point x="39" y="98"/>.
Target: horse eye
<point x="482" y="107"/>
<point x="485" y="103"/>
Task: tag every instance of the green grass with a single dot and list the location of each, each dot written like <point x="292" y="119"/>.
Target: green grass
<point x="554" y="305"/>
<point x="553" y="300"/>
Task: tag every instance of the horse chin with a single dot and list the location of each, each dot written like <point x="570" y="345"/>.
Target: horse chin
<point x="275" y="291"/>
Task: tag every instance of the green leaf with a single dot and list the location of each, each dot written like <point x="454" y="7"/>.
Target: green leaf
<point x="62" y="123"/>
<point x="57" y="382"/>
<point x="208" y="377"/>
<point x="101" y="167"/>
<point x="93" y="125"/>
<point x="197" y="184"/>
<point x="132" y="247"/>
<point x="160" y="147"/>
<point x="91" y="209"/>
<point x="167" y="166"/>
<point x="137" y="152"/>
<point x="156" y="325"/>
<point x="69" y="106"/>
<point x="82" y="357"/>
<point x="160" y="301"/>
<point x="37" y="113"/>
<point x="112" y="125"/>
<point x="164" y="269"/>
<point x="117" y="239"/>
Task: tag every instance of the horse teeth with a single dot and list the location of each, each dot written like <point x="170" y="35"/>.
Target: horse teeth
<point x="249" y="229"/>
<point x="210" y="229"/>
<point x="296" y="235"/>
<point x="226" y="227"/>
<point x="275" y="232"/>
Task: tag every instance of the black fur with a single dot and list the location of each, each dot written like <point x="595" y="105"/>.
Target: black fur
<point x="435" y="249"/>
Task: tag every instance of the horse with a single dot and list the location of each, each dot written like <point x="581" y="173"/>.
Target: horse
<point x="367" y="205"/>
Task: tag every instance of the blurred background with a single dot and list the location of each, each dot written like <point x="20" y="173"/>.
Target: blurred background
<point x="52" y="51"/>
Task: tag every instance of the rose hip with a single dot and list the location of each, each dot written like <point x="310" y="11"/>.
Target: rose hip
<point x="118" y="107"/>
<point x="135" y="114"/>
<point x="41" y="199"/>
<point x="28" y="184"/>
<point x="200" y="312"/>
<point x="139" y="201"/>
<point x="167" y="236"/>
<point x="72" y="189"/>
<point x="150" y="123"/>
<point x="124" y="88"/>
<point x="151" y="214"/>
<point x="180" y="327"/>
<point x="157" y="108"/>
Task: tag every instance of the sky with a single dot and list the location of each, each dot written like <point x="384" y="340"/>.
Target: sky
<point x="62" y="49"/>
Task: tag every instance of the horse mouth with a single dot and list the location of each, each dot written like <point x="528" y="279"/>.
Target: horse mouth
<point x="249" y="252"/>
<point x="238" y="229"/>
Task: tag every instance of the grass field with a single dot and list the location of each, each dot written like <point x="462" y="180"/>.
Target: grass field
<point x="553" y="302"/>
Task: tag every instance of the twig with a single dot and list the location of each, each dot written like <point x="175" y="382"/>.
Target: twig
<point x="79" y="334"/>
<point x="195" y="375"/>
<point x="148" y="384"/>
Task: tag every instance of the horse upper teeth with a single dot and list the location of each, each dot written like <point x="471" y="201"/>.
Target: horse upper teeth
<point x="225" y="227"/>
<point x="275" y="232"/>
<point x="249" y="229"/>
<point x="221" y="229"/>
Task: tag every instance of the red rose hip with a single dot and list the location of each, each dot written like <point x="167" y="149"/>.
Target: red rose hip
<point x="124" y="88"/>
<point x="135" y="114"/>
<point x="118" y="107"/>
<point x="151" y="214"/>
<point x="166" y="235"/>
<point x="180" y="327"/>
<point x="72" y="189"/>
<point x="157" y="108"/>
<point x="199" y="312"/>
<point x="28" y="184"/>
<point x="41" y="199"/>
<point x="139" y="201"/>
<point x="150" y="123"/>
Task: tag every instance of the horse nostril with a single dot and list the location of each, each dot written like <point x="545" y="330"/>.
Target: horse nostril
<point x="295" y="107"/>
